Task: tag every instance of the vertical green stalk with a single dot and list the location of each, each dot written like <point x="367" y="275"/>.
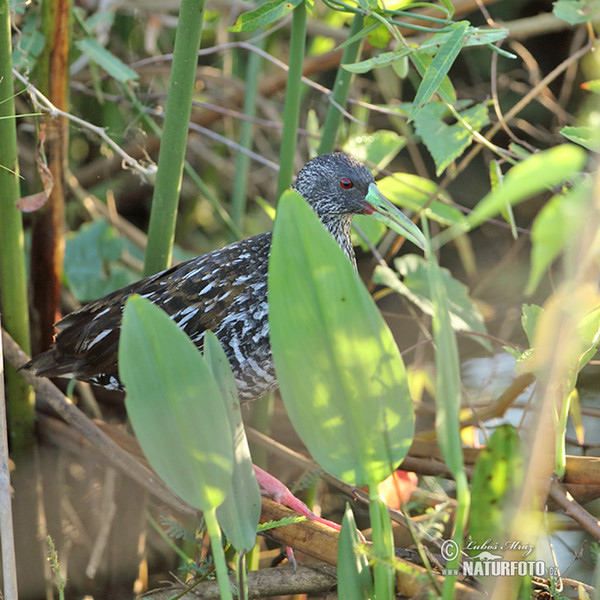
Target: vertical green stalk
<point x="214" y="533"/>
<point x="341" y="89"/>
<point x="383" y="544"/>
<point x="161" y="232"/>
<point x="238" y="201"/>
<point x="291" y="109"/>
<point x="12" y="253"/>
<point x="447" y="418"/>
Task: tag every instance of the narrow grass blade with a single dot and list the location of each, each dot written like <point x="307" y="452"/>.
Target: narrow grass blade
<point x="354" y="577"/>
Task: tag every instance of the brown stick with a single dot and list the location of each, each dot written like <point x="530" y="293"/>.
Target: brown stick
<point x="47" y="250"/>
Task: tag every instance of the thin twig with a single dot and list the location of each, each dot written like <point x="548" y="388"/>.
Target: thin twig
<point x="573" y="509"/>
<point x="251" y="48"/>
<point x="42" y="103"/>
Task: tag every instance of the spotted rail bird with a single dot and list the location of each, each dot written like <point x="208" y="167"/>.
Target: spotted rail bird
<point x="224" y="291"/>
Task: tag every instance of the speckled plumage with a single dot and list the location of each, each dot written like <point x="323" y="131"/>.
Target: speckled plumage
<point x="224" y="291"/>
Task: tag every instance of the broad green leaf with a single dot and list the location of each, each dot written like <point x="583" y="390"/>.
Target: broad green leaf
<point x="264" y="15"/>
<point x="373" y="230"/>
<point x="113" y="65"/>
<point x="413" y="192"/>
<point x="497" y="475"/>
<point x="401" y="67"/>
<point x="380" y="36"/>
<point x="575" y="12"/>
<point x="535" y="174"/>
<point x="584" y="136"/>
<point x="439" y="67"/>
<point x="239" y="513"/>
<point x="415" y="285"/>
<point x="447" y="142"/>
<point x="175" y="406"/>
<point x="89" y="264"/>
<point x="378" y="148"/>
<point x="553" y="230"/>
<point x="354" y="576"/>
<point x="341" y="376"/>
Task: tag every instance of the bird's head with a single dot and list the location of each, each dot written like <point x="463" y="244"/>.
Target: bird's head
<point x="338" y="186"/>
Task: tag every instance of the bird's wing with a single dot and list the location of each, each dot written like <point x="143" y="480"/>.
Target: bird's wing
<point x="197" y="294"/>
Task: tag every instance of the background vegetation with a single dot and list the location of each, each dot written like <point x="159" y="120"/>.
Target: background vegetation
<point x="463" y="109"/>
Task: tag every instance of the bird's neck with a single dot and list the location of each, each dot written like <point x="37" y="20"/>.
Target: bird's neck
<point x="340" y="230"/>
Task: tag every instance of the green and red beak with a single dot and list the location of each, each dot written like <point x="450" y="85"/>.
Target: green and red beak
<point x="383" y="210"/>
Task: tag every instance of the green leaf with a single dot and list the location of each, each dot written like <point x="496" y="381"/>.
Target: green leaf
<point x="448" y="385"/>
<point x="341" y="376"/>
<point x="414" y="285"/>
<point x="496" y="178"/>
<point x="576" y="311"/>
<point x="264" y="15"/>
<point x="175" y="406"/>
<point x="535" y="174"/>
<point x="553" y="230"/>
<point x="422" y="61"/>
<point x="447" y="142"/>
<point x="89" y="262"/>
<point x="372" y="229"/>
<point x="113" y="65"/>
<point x="439" y="67"/>
<point x="473" y="37"/>
<point x="575" y="12"/>
<point x="359" y="35"/>
<point x="377" y="62"/>
<point x="30" y="42"/>
<point x="354" y="576"/>
<point x="584" y="136"/>
<point x="280" y="523"/>
<point x="239" y="513"/>
<point x="379" y="37"/>
<point x="588" y="329"/>
<point x="413" y="192"/>
<point x="497" y="475"/>
<point x="529" y="318"/>
<point x="378" y="148"/>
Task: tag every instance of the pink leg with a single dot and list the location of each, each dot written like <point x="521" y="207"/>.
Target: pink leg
<point x="282" y="495"/>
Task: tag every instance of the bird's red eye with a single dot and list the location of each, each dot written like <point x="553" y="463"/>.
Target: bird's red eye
<point x="346" y="183"/>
